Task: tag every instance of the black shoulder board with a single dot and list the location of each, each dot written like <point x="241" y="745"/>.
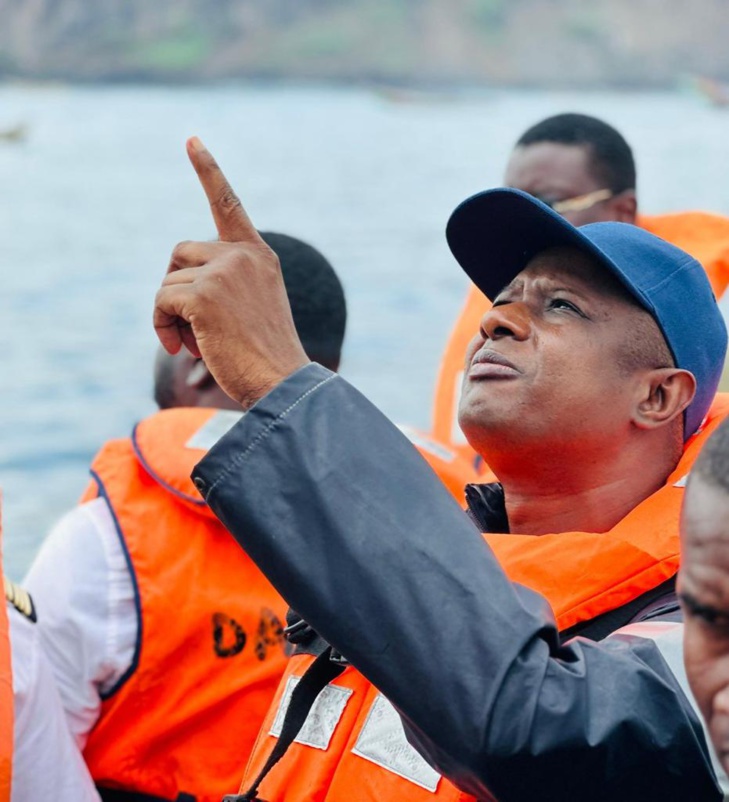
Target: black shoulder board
<point x="20" y="599"/>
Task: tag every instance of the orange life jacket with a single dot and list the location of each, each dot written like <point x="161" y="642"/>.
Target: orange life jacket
<point x="450" y="376"/>
<point x="211" y="649"/>
<point x="705" y="236"/>
<point x="352" y="745"/>
<point x="6" y="704"/>
<point x="452" y="468"/>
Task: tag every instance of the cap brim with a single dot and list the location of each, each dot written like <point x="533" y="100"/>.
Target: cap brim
<point x="496" y="233"/>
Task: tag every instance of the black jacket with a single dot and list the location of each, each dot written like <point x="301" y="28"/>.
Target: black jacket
<point x="359" y="536"/>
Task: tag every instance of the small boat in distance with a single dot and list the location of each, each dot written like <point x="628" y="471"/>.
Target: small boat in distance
<point x="15" y="133"/>
<point x="716" y="92"/>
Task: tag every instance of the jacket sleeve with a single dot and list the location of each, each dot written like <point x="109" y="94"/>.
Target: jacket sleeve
<point x="356" y="532"/>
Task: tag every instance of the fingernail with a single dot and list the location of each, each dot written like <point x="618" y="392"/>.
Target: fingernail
<point x="196" y="144"/>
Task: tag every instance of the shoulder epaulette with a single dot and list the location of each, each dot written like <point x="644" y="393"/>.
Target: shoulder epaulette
<point x="20" y="599"/>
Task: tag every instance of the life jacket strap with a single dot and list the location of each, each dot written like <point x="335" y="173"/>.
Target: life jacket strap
<point x="118" y="795"/>
<point x="321" y="672"/>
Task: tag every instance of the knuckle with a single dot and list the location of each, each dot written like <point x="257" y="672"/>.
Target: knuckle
<point x="271" y="264"/>
<point x="228" y="201"/>
<point x="274" y="261"/>
<point x="180" y="250"/>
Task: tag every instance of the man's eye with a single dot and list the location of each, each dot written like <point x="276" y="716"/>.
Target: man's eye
<point x="561" y="303"/>
<point x="713" y="617"/>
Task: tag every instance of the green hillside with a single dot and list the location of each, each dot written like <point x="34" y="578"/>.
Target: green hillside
<point x="519" y="42"/>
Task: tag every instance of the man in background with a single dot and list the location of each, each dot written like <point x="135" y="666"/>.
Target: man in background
<point x="704" y="586"/>
<point x="583" y="169"/>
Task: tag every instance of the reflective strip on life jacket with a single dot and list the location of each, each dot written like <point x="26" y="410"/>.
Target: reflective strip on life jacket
<point x="352" y="746"/>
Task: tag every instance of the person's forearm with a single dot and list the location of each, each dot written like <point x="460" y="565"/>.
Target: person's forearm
<point x="360" y="537"/>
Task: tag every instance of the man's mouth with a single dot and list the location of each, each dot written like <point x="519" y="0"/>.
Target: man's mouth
<point x="488" y="364"/>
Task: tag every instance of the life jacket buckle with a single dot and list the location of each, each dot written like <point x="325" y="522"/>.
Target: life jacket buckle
<point x="338" y="659"/>
<point x="298" y="632"/>
<point x="242" y="798"/>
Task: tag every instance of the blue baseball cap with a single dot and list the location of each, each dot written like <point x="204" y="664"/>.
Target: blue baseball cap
<point x="494" y="234"/>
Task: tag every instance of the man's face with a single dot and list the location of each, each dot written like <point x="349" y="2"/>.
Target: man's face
<point x="554" y="172"/>
<point x="546" y="366"/>
<point x="704" y="583"/>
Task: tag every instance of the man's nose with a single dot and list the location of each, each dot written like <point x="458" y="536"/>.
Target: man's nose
<point x="506" y="320"/>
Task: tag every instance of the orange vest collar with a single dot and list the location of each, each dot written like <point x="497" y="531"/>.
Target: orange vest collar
<point x="584" y="574"/>
<point x="170" y="443"/>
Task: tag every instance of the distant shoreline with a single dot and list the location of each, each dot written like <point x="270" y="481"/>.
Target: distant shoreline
<point x="615" y="45"/>
<point x="437" y="87"/>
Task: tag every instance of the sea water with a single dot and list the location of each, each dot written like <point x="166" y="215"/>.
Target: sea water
<point x="92" y="202"/>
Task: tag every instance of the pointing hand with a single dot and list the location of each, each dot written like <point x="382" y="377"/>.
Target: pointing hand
<point x="226" y="301"/>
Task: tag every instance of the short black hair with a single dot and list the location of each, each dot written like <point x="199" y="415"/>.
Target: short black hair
<point x="611" y="159"/>
<point x="712" y="464"/>
<point x="316" y="297"/>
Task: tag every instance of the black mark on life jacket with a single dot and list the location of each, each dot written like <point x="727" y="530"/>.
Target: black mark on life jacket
<point x="228" y="636"/>
<point x="270" y="633"/>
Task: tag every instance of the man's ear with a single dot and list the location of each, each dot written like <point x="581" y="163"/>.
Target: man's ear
<point x="625" y="205"/>
<point x="199" y="378"/>
<point x="664" y="395"/>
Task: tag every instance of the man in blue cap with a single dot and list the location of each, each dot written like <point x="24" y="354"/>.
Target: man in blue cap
<point x="589" y="391"/>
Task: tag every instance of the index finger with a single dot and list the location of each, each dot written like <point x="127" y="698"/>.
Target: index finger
<point x="230" y="217"/>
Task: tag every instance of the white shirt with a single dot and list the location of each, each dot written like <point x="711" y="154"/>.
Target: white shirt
<point x="83" y="591"/>
<point x="46" y="762"/>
